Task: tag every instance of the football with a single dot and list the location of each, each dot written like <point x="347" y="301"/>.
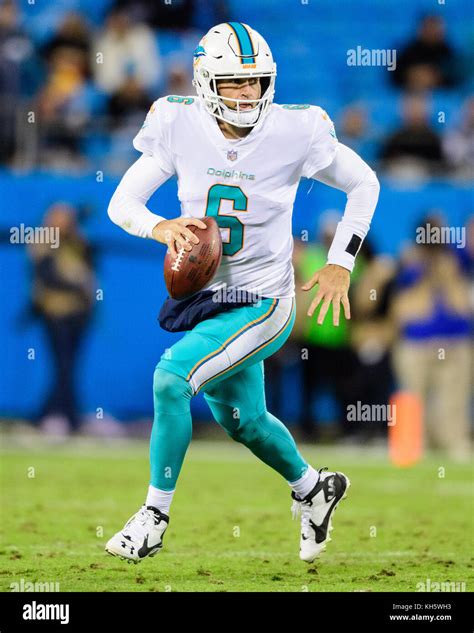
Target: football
<point x="192" y="270"/>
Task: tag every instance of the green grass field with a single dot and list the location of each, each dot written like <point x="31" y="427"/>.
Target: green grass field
<point x="231" y="527"/>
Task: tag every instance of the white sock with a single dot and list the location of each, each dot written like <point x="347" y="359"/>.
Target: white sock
<point x="160" y="499"/>
<point x="306" y="483"/>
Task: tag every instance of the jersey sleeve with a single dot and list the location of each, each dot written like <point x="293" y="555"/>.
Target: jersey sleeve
<point x="151" y="139"/>
<point x="323" y="143"/>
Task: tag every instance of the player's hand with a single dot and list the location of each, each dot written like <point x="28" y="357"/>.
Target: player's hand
<point x="175" y="235"/>
<point x="333" y="282"/>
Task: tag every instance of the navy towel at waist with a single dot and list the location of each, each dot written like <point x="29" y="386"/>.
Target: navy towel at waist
<point x="179" y="316"/>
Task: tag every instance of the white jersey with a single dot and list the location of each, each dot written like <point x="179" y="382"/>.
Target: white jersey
<point x="248" y="185"/>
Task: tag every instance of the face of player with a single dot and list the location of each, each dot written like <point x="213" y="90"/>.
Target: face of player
<point x="247" y="89"/>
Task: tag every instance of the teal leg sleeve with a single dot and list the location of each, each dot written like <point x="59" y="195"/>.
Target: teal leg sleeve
<point x="238" y="405"/>
<point x="172" y="428"/>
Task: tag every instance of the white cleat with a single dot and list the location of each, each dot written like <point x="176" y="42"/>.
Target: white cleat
<point x="316" y="511"/>
<point x="141" y="536"/>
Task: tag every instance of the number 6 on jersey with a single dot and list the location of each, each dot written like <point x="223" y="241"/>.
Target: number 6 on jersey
<point x="215" y="195"/>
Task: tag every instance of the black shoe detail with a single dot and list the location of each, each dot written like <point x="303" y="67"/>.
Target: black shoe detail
<point x="148" y="551"/>
<point x="125" y="545"/>
<point x="159" y="515"/>
<point x="321" y="531"/>
<point x="333" y="487"/>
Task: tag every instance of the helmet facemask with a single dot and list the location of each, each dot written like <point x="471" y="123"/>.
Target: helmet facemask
<point x="205" y="82"/>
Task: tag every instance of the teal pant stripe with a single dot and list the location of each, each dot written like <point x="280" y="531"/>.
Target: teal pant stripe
<point x="233" y="338"/>
<point x="257" y="349"/>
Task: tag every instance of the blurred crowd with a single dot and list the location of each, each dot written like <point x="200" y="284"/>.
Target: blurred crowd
<point x="410" y="331"/>
<point x="75" y="94"/>
<point x="86" y="87"/>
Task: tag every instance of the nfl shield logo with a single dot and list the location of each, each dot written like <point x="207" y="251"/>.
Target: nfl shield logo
<point x="232" y="155"/>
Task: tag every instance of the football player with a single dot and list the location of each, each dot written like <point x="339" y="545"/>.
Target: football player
<point x="239" y="158"/>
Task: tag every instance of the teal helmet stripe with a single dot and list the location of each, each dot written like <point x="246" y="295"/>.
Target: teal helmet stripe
<point x="245" y="43"/>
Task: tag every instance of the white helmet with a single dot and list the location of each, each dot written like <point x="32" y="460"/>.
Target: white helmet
<point x="228" y="51"/>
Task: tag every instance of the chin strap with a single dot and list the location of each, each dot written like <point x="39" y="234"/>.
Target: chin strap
<point x="235" y="117"/>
